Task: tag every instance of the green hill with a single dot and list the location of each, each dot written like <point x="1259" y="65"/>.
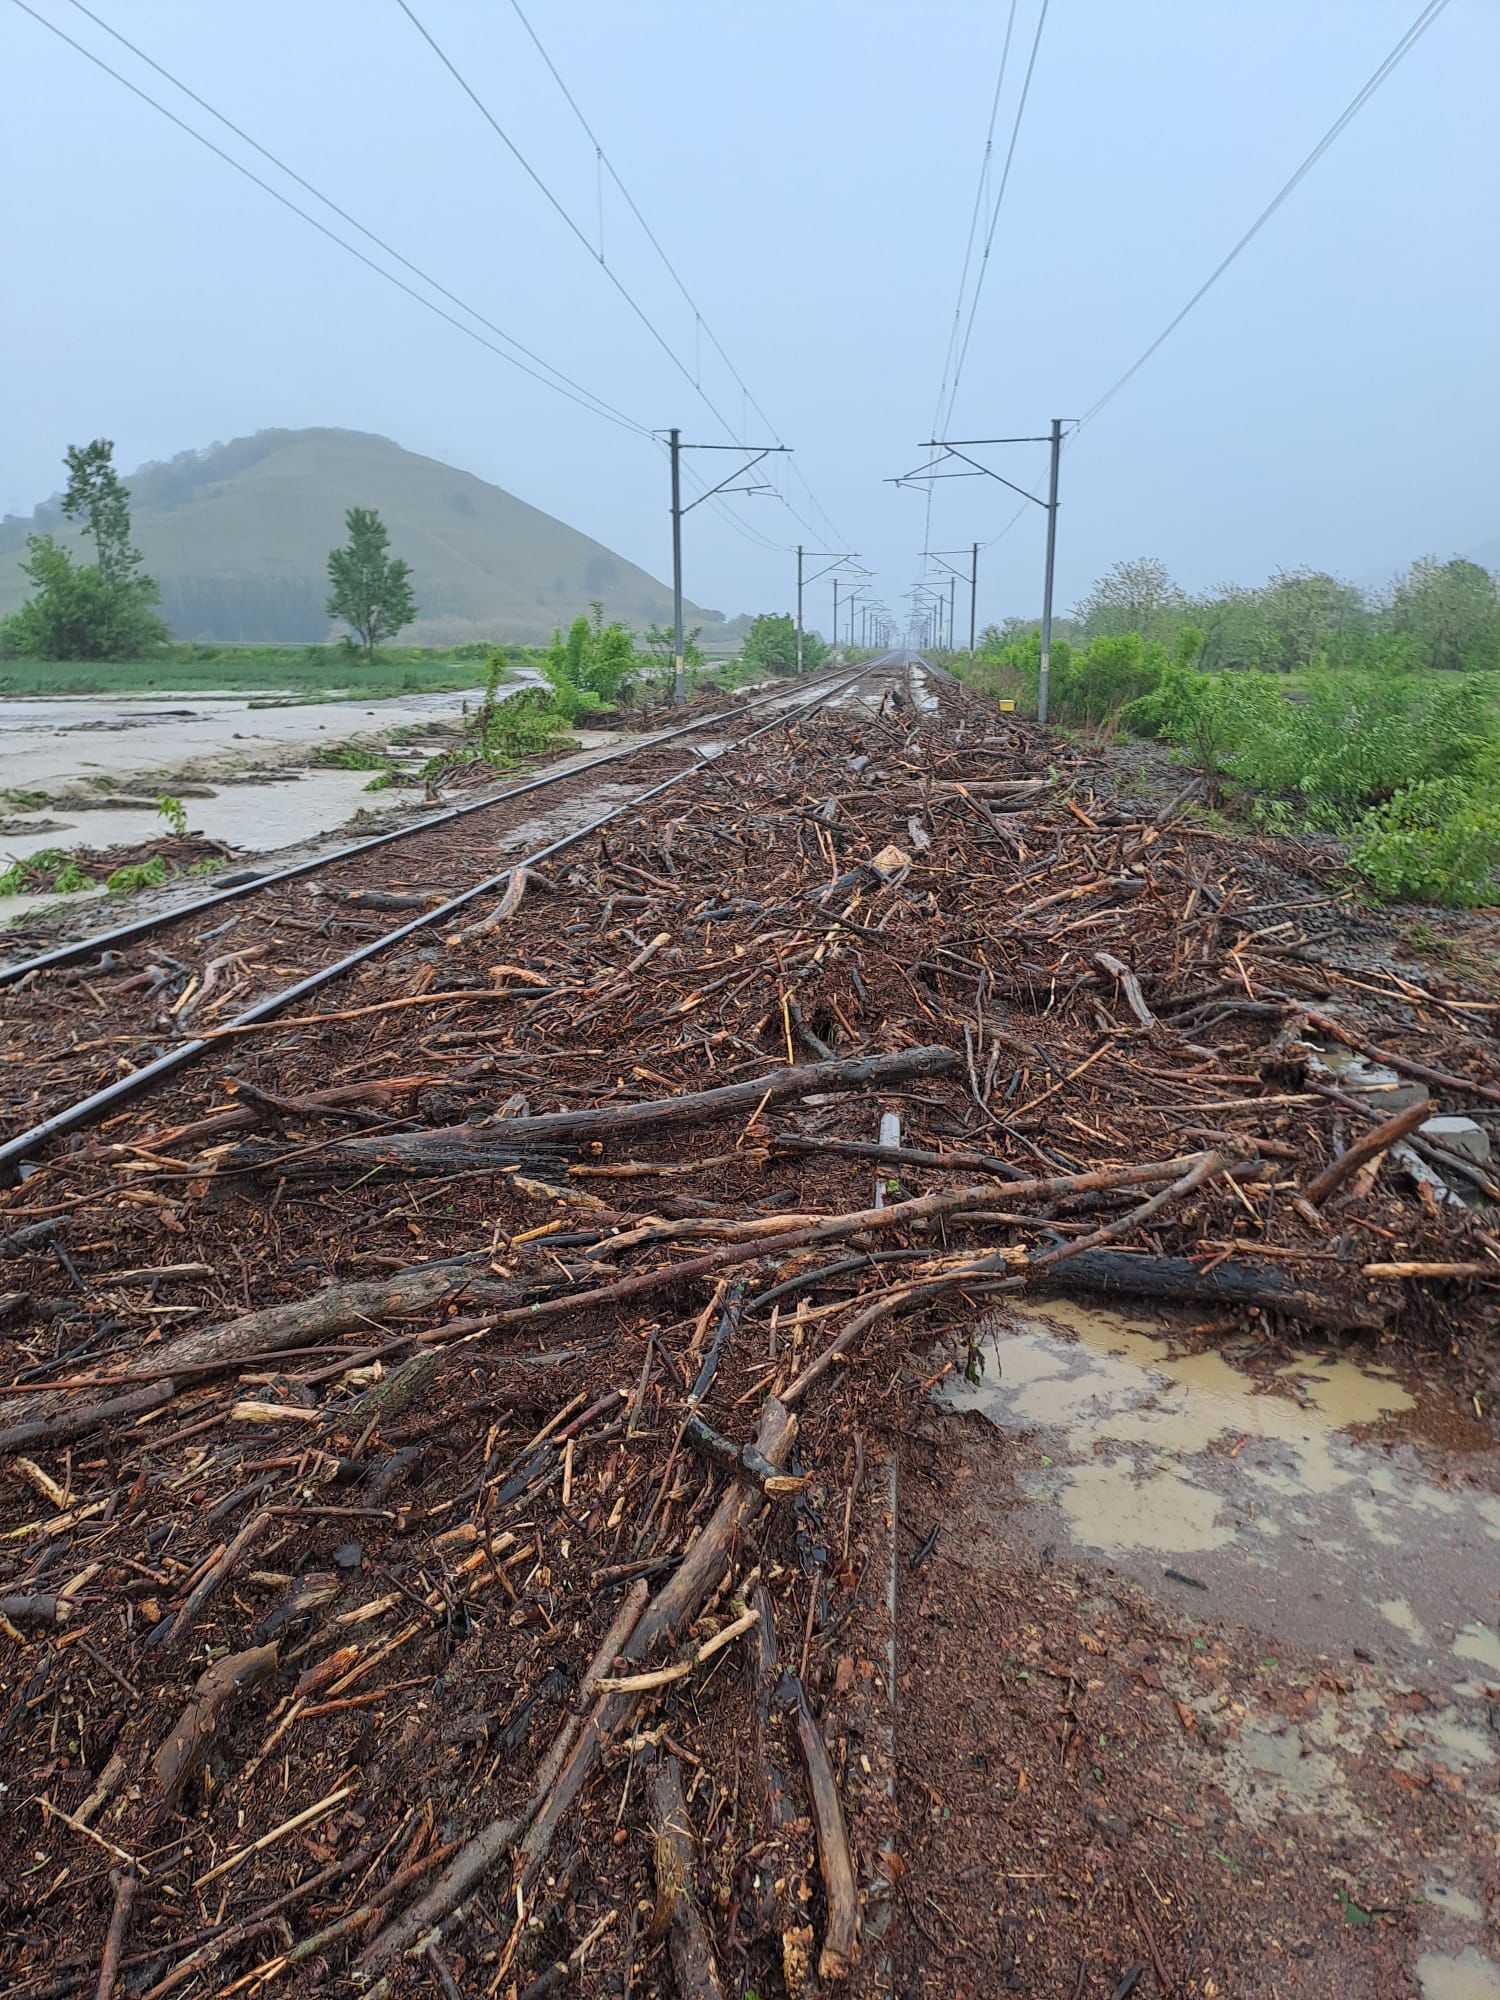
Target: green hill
<point x="238" y="538"/>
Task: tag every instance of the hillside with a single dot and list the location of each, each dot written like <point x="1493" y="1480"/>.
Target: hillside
<point x="238" y="537"/>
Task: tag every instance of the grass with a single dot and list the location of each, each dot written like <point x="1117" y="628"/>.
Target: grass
<point x="326" y="672"/>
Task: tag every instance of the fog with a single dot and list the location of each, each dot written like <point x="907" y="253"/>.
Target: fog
<point x="811" y="174"/>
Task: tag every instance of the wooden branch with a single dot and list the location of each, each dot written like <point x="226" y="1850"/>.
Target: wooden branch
<point x="1366" y="1147"/>
<point x="742" y="1461"/>
<point x="212" y="1577"/>
<point x="676" y="1854"/>
<point x="678" y="1600"/>
<point x="1209" y="1165"/>
<point x="179" y="1756"/>
<point x="898" y="1156"/>
<point x="1406" y="1065"/>
<point x="1130" y="986"/>
<point x="125" y="1882"/>
<point x="920" y="1210"/>
<point x="460" y="1148"/>
<point x="840" y="1939"/>
<point x="479" y="1855"/>
<point x="1450" y="1272"/>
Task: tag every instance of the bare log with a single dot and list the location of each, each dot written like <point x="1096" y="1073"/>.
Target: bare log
<point x="840" y="1940"/>
<point x="1366" y="1147"/>
<point x="742" y="1461"/>
<point x="35" y="1607"/>
<point x="336" y="1309"/>
<point x="65" y="1423"/>
<point x="179" y="1756"/>
<point x="460" y="1148"/>
<point x="676" y="1854"/>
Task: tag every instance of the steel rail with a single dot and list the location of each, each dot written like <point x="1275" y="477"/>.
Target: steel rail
<point x="87" y="1110"/>
<point x="96" y="941"/>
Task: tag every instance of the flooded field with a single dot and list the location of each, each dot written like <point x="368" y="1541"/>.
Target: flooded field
<point x="84" y="771"/>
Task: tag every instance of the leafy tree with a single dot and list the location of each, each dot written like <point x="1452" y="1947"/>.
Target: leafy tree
<point x="1452" y="612"/>
<point x="658" y="639"/>
<point x="1137" y="596"/>
<point x="770" y="646"/>
<point x="87" y="611"/>
<point x="613" y="664"/>
<point x="1305" y="617"/>
<point x="371" y="588"/>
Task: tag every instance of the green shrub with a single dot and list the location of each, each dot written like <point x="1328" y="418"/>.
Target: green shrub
<point x="173" y="812"/>
<point x="50" y="869"/>
<point x="350" y="757"/>
<point x="1437" y="841"/>
<point x="523" y="726"/>
<point x="138" y="875"/>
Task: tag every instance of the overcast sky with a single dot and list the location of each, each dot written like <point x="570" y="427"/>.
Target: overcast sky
<point x="810" y="169"/>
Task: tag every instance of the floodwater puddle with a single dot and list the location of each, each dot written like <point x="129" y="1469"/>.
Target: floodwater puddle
<point x="1315" y="1500"/>
<point x="1463" y="1975"/>
<point x="1345" y="1518"/>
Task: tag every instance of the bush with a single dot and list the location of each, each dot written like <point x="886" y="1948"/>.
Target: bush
<point x="138" y="875"/>
<point x="1437" y="841"/>
<point x="523" y="726"/>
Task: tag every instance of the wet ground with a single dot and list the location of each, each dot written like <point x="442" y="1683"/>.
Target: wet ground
<point x="55" y="744"/>
<point x="244" y="773"/>
<point x="1318" y="1538"/>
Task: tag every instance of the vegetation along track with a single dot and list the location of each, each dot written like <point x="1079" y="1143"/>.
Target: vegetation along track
<point x="91" y="1024"/>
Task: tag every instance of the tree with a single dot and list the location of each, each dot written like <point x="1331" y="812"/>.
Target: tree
<point x="770" y="646"/>
<point x="1305" y="617"/>
<point x="1452" y="611"/>
<point x="87" y="611"/>
<point x="659" y="643"/>
<point x="371" y="588"/>
<point x="1137" y="596"/>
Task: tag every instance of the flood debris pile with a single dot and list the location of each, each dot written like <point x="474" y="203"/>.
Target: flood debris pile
<point x="445" y="1446"/>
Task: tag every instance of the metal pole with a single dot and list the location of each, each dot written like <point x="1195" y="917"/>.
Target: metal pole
<point x="799" y="607"/>
<point x="1041" y="694"/>
<point x="952" y="588"/>
<point x="679" y="673"/>
<point x="973" y="593"/>
<point x="835" y="614"/>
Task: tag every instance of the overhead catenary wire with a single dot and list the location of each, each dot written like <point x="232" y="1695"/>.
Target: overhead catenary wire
<point x="701" y="323"/>
<point x="563" y="384"/>
<point x="682" y="367"/>
<point x="554" y="379"/>
<point x="980" y="185"/>
<point x="553" y="202"/>
<point x="342" y="213"/>
<point x="1403" y="46"/>
<point x="999" y="203"/>
<point x="1362" y="96"/>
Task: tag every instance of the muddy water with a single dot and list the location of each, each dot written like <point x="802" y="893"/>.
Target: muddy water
<point x="1313" y="1503"/>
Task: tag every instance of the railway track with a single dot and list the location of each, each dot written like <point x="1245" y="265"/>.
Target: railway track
<point x="95" y="1013"/>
